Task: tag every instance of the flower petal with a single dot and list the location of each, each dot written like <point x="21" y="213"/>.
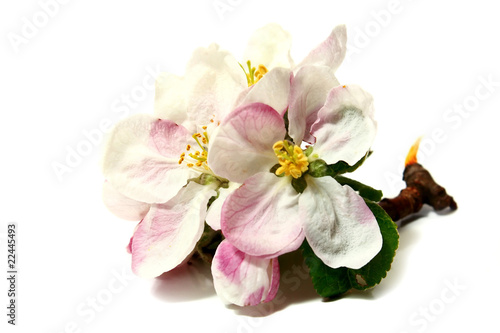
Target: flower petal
<point x="242" y="145"/>
<point x="330" y="52"/>
<point x="269" y="46"/>
<point x="171" y="98"/>
<point x="243" y="279"/>
<point x="310" y="87"/>
<point x="169" y="232"/>
<point x="346" y="127"/>
<point x="261" y="217"/>
<point x="208" y="91"/>
<point x="141" y="158"/>
<point x="273" y="89"/>
<point x="122" y="206"/>
<point x="131" y="241"/>
<point x="214" y="211"/>
<point x="215" y="80"/>
<point x="339" y="226"/>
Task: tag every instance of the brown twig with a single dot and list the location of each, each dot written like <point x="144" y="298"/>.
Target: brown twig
<point x="420" y="189"/>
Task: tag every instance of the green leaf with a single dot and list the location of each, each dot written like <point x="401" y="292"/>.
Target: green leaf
<point x="327" y="281"/>
<point x="331" y="282"/>
<point x="365" y="191"/>
<point x="342" y="167"/>
<point x="377" y="268"/>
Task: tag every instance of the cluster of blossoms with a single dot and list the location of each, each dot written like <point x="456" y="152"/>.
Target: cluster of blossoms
<point x="235" y="147"/>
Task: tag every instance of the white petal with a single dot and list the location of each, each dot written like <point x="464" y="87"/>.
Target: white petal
<point x="243" y="279"/>
<point x="346" y="127"/>
<point x="170" y="231"/>
<point x="171" y="98"/>
<point x="269" y="46"/>
<point x="214" y="81"/>
<point x="208" y="91"/>
<point x="339" y="226"/>
<point x="122" y="206"/>
<point x="273" y="89"/>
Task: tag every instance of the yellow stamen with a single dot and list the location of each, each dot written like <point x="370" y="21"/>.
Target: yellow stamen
<point x="260" y="72"/>
<point x="278" y="145"/>
<point x="253" y="75"/>
<point x="197" y="158"/>
<point x="291" y="158"/>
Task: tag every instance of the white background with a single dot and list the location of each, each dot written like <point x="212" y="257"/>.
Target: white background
<point x="67" y="78"/>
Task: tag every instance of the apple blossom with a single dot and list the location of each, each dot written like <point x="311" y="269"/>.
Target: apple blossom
<point x="267" y="216"/>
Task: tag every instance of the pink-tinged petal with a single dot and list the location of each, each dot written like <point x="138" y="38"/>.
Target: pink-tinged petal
<point x="243" y="279"/>
<point x="346" y="127"/>
<point x="169" y="232"/>
<point x="261" y="217"/>
<point x="269" y="46"/>
<point x="214" y="211"/>
<point x="294" y="245"/>
<point x="273" y="89"/>
<point x="141" y="158"/>
<point x="129" y="245"/>
<point x="310" y="87"/>
<point x="243" y="144"/>
<point x="330" y="52"/>
<point x="122" y="206"/>
<point x="339" y="226"/>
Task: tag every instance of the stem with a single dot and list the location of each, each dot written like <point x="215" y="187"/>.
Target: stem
<point x="420" y="189"/>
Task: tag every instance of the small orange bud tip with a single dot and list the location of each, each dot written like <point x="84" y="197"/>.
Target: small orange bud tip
<point x="411" y="158"/>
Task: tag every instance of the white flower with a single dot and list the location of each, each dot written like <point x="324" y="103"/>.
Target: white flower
<point x="160" y="162"/>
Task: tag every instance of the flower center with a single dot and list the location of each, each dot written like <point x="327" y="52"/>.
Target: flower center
<point x="293" y="162"/>
<point x="253" y="74"/>
<point x="197" y="159"/>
